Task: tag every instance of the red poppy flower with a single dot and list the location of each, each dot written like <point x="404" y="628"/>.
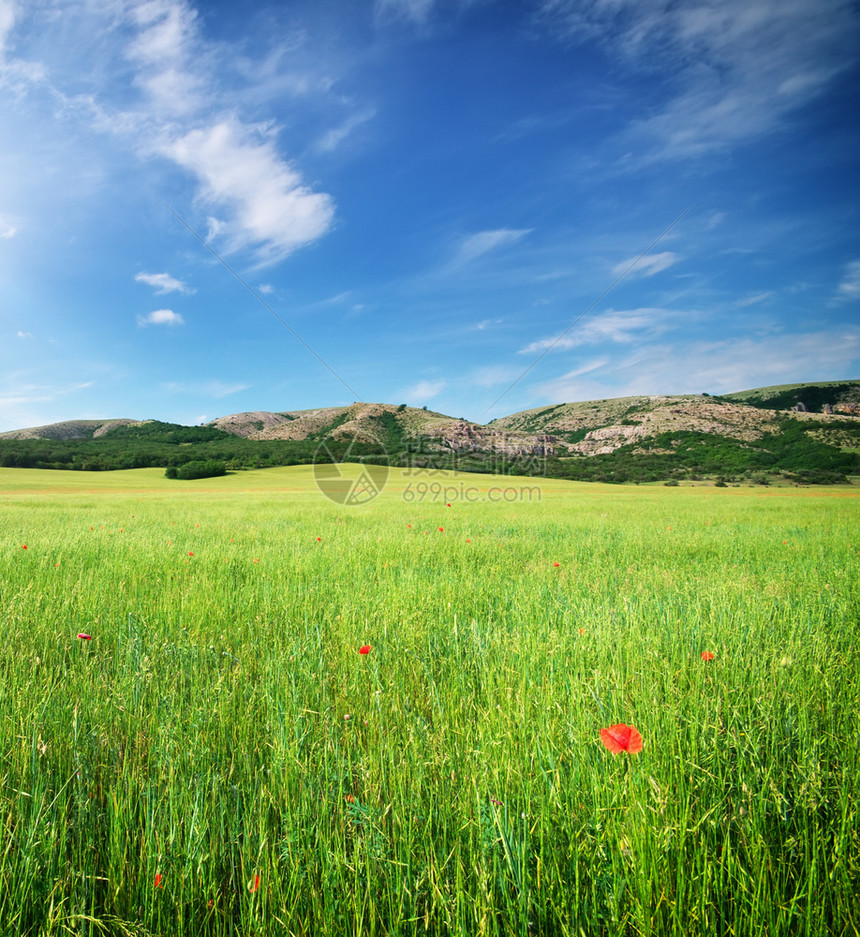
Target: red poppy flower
<point x="364" y="649"/>
<point x="158" y="879"/>
<point x="707" y="655"/>
<point x="85" y="637"/>
<point x="190" y="553"/>
<point x="556" y="564"/>
<point x="23" y="546"/>
<point x="256" y="883"/>
<point x="621" y="738"/>
<point x="319" y="539"/>
<point x="441" y="529"/>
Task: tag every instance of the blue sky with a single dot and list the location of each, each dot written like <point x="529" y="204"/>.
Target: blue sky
<point x="444" y="199"/>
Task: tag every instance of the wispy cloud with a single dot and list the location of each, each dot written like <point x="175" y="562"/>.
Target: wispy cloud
<point x="161" y="317"/>
<point x="163" y="283"/>
<point x="415" y="10"/>
<point x="738" y="67"/>
<point x="163" y="53"/>
<point x="21" y="334"/>
<point x="333" y="138"/>
<point x="167" y="96"/>
<point x="493" y="375"/>
<point x="620" y="326"/>
<point x="7" y="21"/>
<point x="7" y="230"/>
<point x="849" y="288"/>
<point x="20" y="401"/>
<point x="485" y="324"/>
<point x="646" y="266"/>
<point x="476" y="245"/>
<point x="215" y="389"/>
<point x="754" y="299"/>
<point x="423" y="391"/>
<point x="716" y="367"/>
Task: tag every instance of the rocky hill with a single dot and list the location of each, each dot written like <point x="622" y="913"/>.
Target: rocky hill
<point x="827" y="397"/>
<point x="70" y="429"/>
<point x="810" y="428"/>
<point x="384" y="424"/>
<point x="597" y="427"/>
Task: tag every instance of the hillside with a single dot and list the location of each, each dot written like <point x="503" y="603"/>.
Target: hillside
<point x="394" y="427"/>
<point x="640" y="438"/>
<point x="825" y="397"/>
<point x="69" y="429"/>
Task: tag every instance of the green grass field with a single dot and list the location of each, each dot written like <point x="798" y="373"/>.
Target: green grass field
<point x="220" y="759"/>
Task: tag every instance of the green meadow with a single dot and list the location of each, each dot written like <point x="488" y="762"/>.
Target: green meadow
<point x="220" y="759"/>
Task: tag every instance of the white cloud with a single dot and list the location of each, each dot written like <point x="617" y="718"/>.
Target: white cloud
<point x="163" y="52"/>
<point x="415" y="10"/>
<point x="423" y="391"/>
<point x="716" y="367"/>
<point x="620" y="326"/>
<point x="204" y="388"/>
<point x="334" y="137"/>
<point x="493" y="375"/>
<point x="21" y="334"/>
<point x="265" y="289"/>
<point x="485" y="324"/>
<point x="20" y="400"/>
<point x="259" y="202"/>
<point x="476" y="245"/>
<point x="7" y="22"/>
<point x="646" y="266"/>
<point x="739" y="68"/>
<point x="163" y="283"/>
<point x="7" y="231"/>
<point x="161" y="317"/>
<point x="169" y="92"/>
<point x="241" y="172"/>
<point x="754" y="299"/>
<point x="337" y="299"/>
<point x="849" y="288"/>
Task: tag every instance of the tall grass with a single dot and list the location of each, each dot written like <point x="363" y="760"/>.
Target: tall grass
<point x="222" y="731"/>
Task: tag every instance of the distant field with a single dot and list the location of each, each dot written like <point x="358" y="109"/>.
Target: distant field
<point x="220" y="758"/>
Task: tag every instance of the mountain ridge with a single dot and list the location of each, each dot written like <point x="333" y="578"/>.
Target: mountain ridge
<point x="715" y="411"/>
<point x="641" y="437"/>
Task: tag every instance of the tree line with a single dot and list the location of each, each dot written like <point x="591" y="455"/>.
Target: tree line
<point x="792" y="452"/>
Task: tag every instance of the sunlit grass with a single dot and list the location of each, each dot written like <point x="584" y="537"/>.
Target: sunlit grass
<point x="222" y="725"/>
